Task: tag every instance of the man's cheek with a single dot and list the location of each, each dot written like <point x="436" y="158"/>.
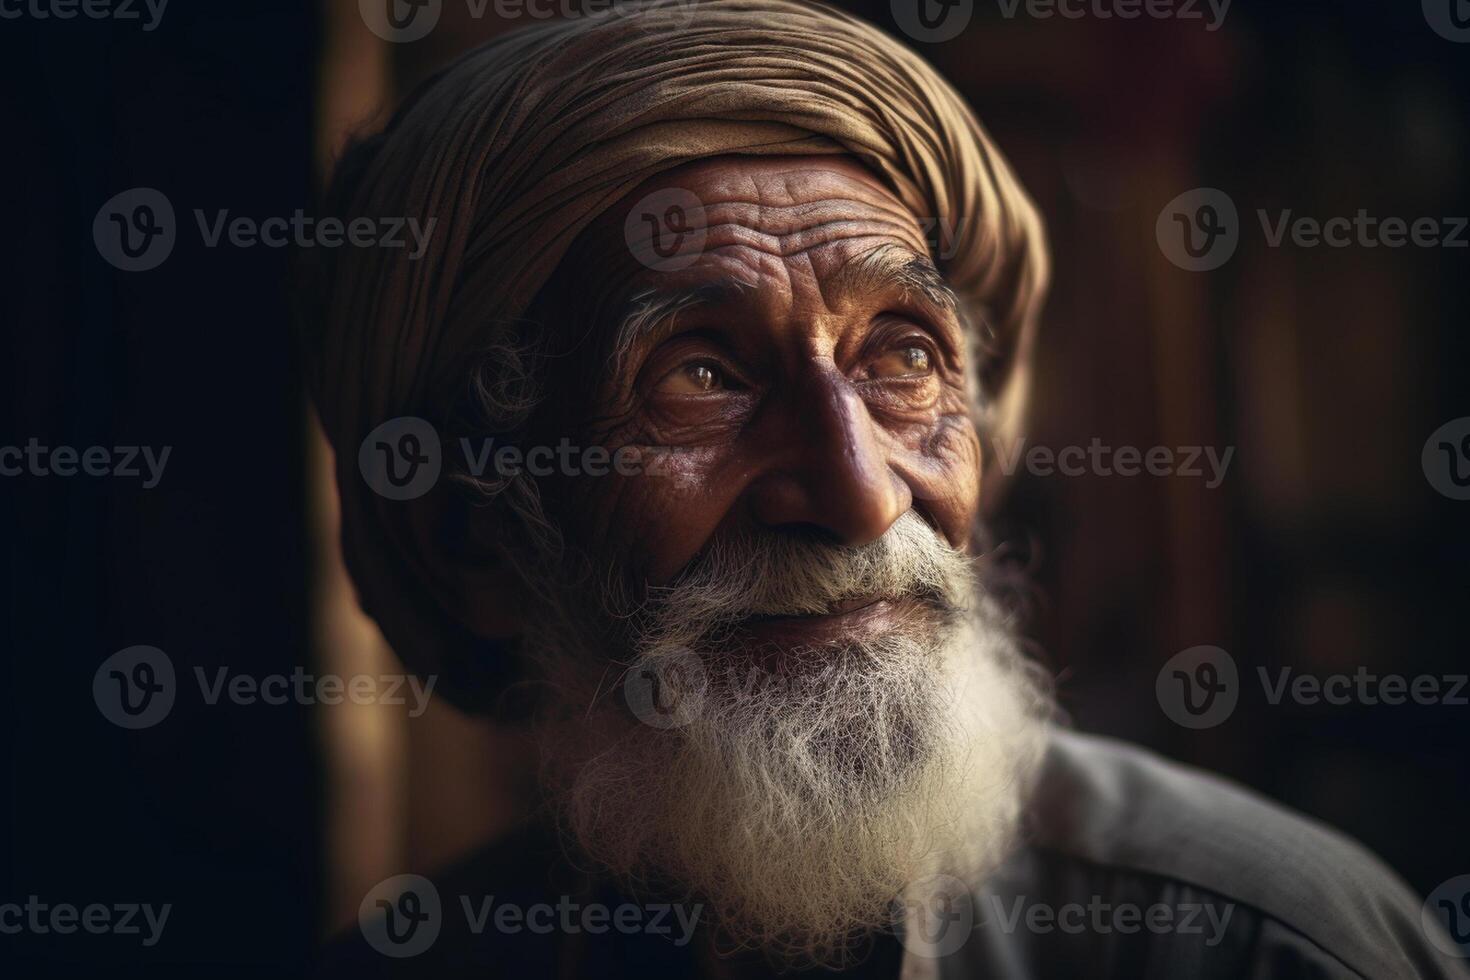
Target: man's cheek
<point x="659" y="510"/>
<point x="943" y="474"/>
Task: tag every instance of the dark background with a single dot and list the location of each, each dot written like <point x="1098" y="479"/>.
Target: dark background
<point x="1325" y="548"/>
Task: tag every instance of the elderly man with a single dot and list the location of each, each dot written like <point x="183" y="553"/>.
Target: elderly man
<point x="747" y="607"/>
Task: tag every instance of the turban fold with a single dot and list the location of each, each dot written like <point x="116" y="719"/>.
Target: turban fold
<point x="514" y="149"/>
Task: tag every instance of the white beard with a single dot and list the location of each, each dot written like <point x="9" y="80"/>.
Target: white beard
<point x="800" y="805"/>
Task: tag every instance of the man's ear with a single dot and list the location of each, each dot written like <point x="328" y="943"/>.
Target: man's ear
<point x="464" y="567"/>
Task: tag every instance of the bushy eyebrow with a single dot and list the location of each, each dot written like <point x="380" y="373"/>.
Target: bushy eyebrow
<point x="891" y="266"/>
<point x="886" y="267"/>
<point x="651" y="310"/>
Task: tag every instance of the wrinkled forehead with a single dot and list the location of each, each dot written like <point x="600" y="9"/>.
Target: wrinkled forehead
<point x="728" y="218"/>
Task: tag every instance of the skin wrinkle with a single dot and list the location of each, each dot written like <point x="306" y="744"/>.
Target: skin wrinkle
<point x="819" y="298"/>
<point x="652" y="314"/>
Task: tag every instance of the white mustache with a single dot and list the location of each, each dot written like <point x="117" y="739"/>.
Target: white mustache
<point x="778" y="574"/>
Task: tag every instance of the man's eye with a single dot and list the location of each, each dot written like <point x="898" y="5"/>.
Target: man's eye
<point x="694" y="378"/>
<point x="902" y="362"/>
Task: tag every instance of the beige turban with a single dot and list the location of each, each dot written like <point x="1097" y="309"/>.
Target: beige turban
<point x="516" y="147"/>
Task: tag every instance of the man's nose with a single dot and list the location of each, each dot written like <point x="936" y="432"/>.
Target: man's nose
<point x="829" y="468"/>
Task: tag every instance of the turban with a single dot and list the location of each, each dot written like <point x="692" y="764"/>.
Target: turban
<point x="514" y="149"/>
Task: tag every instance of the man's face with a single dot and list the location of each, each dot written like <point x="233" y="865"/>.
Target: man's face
<point x="851" y="710"/>
<point x="805" y="373"/>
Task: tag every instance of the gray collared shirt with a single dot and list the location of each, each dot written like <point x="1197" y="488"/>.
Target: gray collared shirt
<point x="1141" y="868"/>
<point x="1132" y="868"/>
